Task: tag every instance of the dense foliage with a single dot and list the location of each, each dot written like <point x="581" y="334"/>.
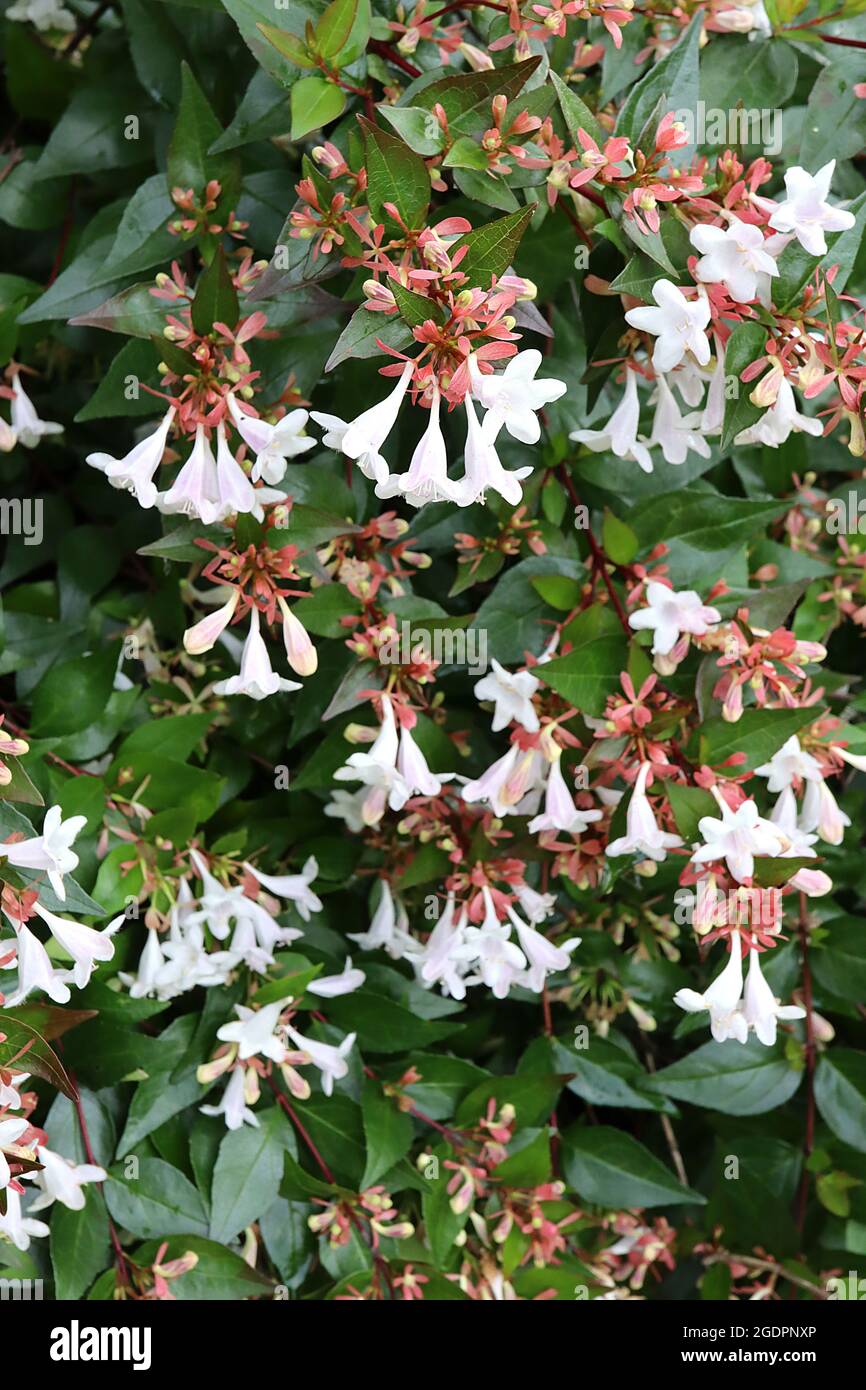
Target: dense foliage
<point x="433" y="608"/>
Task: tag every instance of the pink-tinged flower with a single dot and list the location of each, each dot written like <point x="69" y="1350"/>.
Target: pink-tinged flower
<point x="600" y="164"/>
<point x="256" y="677"/>
<point x="722" y="999"/>
<point x="505" y="783"/>
<point x="300" y="652"/>
<point x="10" y="1133"/>
<point x="35" y="971"/>
<point x="195" y="491"/>
<point x="761" y="1009"/>
<point x="813" y="882"/>
<point x="671" y="134"/>
<point x="806" y="212"/>
<point x="295" y="887"/>
<point x="677" y="324"/>
<point x="235" y="492"/>
<point x="670" y="613"/>
<point x="620" y="434"/>
<point x="134" y="472"/>
<point x="820" y="811"/>
<point x="544" y="958"/>
<point x="330" y="1061"/>
<point x="737" y="838"/>
<point x="233" y="1106"/>
<point x="496" y="961"/>
<point x="202" y="636"/>
<point x="257" y="1032"/>
<point x="643" y="834"/>
<point x="560" y="812"/>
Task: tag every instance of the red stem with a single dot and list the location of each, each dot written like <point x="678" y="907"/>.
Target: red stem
<point x="289" y="1109"/>
<point x="598" y="556"/>
<point x="390" y="55"/>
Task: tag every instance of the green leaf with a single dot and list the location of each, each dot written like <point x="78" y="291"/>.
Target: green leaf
<point x="248" y="1172"/>
<point x="289" y="45"/>
<point x="577" y="114"/>
<point x="80" y="1244"/>
<point x="735" y="1078"/>
<point x="23" y="1048"/>
<point x="589" y="673"/>
<point x="219" y="1274"/>
<point x="363" y="333"/>
<point x="190" y="164"/>
<point x="611" y="1169"/>
<point x="701" y="528"/>
<point x="395" y="175"/>
<point x="387" y="1130"/>
<point x="674" y="78"/>
<point x="343" y="31"/>
<point x="465" y="97"/>
<point x="491" y="249"/>
<point x="840" y="1094"/>
<point x="315" y="102"/>
<point x="216" y="299"/>
<point x="839" y="964"/>
<point x="415" y="308"/>
<point x="758" y="734"/>
<point x="159" y="1201"/>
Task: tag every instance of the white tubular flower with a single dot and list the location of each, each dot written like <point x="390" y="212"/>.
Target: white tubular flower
<point x="35" y="971"/>
<point x="781" y="420"/>
<point x="295" y="887"/>
<point x="511" y="695"/>
<point x="560" y="812"/>
<point x="857" y="760"/>
<point x="273" y="445"/>
<point x="514" y="397"/>
<point x="202" y="636"/>
<point x="722" y="999"/>
<point x="412" y="766"/>
<point x="760" y="1006"/>
<point x="256" y="677"/>
<point x="713" y="416"/>
<point x="483" y="467"/>
<point x="300" y="652"/>
<point x="330" y="1061"/>
<point x="733" y="256"/>
<point x="537" y="906"/>
<point x="28" y="427"/>
<point x="18" y="1227"/>
<point x="51" y="851"/>
<point x="427" y="479"/>
<point x="737" y="838"/>
<point x="676" y="323"/>
<point x="619" y="435"/>
<point x="61" y="1180"/>
<point x="383" y="923"/>
<point x="439" y="963"/>
<point x="675" y="433"/>
<point x="332" y="986"/>
<point x="151" y="964"/>
<point x="218" y="906"/>
<point x="235" y="492"/>
<point x="362" y="439"/>
<point x="255" y="1034"/>
<point x="378" y="770"/>
<point x="544" y="958"/>
<point x="669" y="614"/>
<point x="813" y="882"/>
<point x="498" y="963"/>
<point x="789" y="764"/>
<point x="194" y="491"/>
<point x="10" y="1133"/>
<point x="85" y="945"/>
<point x="506" y="782"/>
<point x="820" y="811"/>
<point x="233" y="1105"/>
<point x="643" y="834"/>
<point x="10" y="1097"/>
<point x="134" y="472"/>
<point x="45" y="15"/>
<point x="806" y="212"/>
